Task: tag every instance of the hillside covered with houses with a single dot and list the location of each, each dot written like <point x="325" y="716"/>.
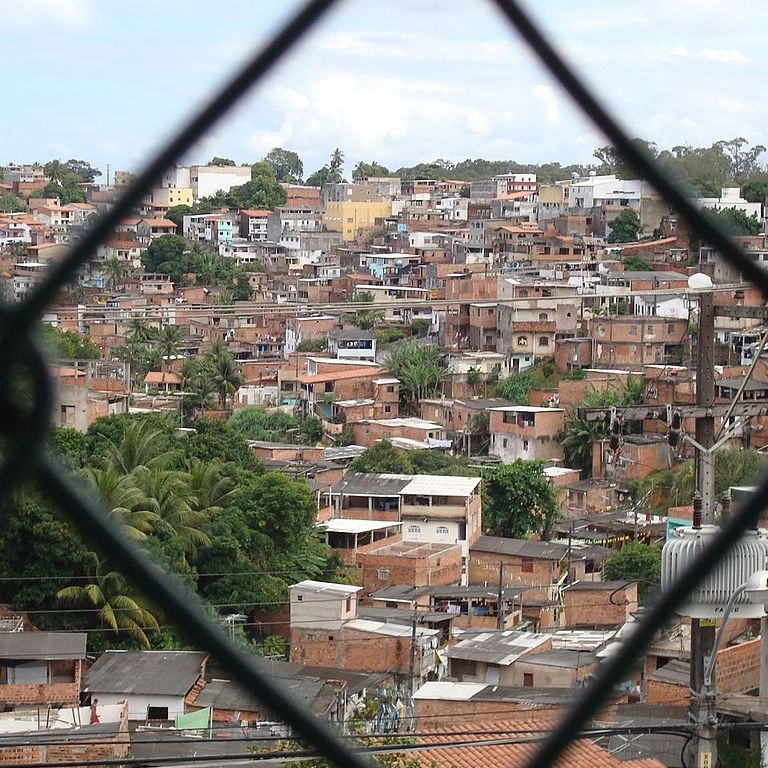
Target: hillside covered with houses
<point x="415" y="440"/>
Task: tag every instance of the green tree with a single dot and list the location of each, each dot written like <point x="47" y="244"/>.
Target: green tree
<point x="612" y="161"/>
<point x="82" y="171"/>
<point x="129" y="507"/>
<point x="625" y="228"/>
<point x="319" y="177"/>
<point x="222" y="161"/>
<point x="169" y="342"/>
<point x="221" y="366"/>
<point x="518" y="500"/>
<point x="67" y="345"/>
<point x="257" y="423"/>
<point x="168" y="255"/>
<point x="262" y="191"/>
<point x="369" y="170"/>
<point x="119" y="607"/>
<point x="755" y="189"/>
<point x="68" y="192"/>
<point x="336" y="165"/>
<point x="382" y="456"/>
<point x="10" y="203"/>
<point x="217" y="441"/>
<point x="516" y="387"/>
<point x="115" y="270"/>
<point x="420" y="368"/>
<point x="56" y="172"/>
<point x="636" y="264"/>
<point x="578" y="435"/>
<point x="140" y="330"/>
<point x="286" y="165"/>
<point x="735" y="221"/>
<point x="39" y="550"/>
<point x="634" y="561"/>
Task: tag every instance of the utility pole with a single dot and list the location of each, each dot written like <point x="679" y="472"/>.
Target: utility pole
<point x="500" y="599"/>
<point x="703" y="709"/>
<point x="412" y="665"/>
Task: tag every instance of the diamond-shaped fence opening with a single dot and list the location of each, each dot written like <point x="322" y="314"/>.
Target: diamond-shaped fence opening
<point x="24" y="425"/>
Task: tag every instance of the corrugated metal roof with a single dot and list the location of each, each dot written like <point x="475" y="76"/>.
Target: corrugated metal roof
<point x="503" y="648"/>
<point x="171" y="673"/>
<point x="29" y="646"/>
<point x="371" y="484"/>
<point x="542" y="550"/>
<point x="441" y="485"/>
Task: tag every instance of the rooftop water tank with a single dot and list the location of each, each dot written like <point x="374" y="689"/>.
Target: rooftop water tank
<point x="709" y="599"/>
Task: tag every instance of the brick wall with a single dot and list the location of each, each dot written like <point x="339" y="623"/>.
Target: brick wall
<point x="351" y="650"/>
<point x="599" y="607"/>
<point x="738" y="667"/>
<point x="737" y="671"/>
<point x="67" y="694"/>
<point x="84" y="749"/>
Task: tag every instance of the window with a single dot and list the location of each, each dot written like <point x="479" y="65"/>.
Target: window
<point x="390" y="388"/>
<point x="527" y="565"/>
<point x="522" y="341"/>
<point x="299" y="598"/>
<point x="348" y="605"/>
<point x="543" y="317"/>
<point x="387" y="408"/>
<point x="633" y="330"/>
<point x="382" y="574"/>
<point x="528" y="679"/>
<point x="544" y="341"/>
<point x="442" y="530"/>
<point x="157" y="713"/>
<point x="414" y="529"/>
<point x="525" y="445"/>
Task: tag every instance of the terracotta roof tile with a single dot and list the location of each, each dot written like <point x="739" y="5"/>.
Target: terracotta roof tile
<point x="580" y="754"/>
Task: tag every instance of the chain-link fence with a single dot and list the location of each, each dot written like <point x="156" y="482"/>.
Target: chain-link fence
<point x="24" y="416"/>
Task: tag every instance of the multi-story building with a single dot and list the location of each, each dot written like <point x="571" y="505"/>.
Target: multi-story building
<point x="526" y="432"/>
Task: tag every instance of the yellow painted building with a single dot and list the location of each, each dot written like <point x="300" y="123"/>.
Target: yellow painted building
<point x="172" y="196"/>
<point x="350" y="218"/>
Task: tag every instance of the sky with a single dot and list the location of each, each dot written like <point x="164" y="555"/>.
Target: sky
<point x="396" y="82"/>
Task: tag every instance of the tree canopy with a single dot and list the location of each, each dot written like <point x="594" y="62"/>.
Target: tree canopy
<point x="285" y="164"/>
<point x="634" y="561"/>
<point x="420" y="368"/>
<point x="201" y="505"/>
<point x="262" y="191"/>
<point x="518" y="500"/>
<point x="625" y="228"/>
<point x="68" y="345"/>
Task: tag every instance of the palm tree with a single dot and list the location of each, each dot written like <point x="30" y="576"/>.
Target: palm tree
<point x="139" y="330"/>
<point x="336" y="164"/>
<point x="211" y="489"/>
<point x="141" y="446"/>
<point x="119" y="607"/>
<point x="168" y="343"/>
<point x="223" y="371"/>
<point x="55" y="171"/>
<point x="171" y="498"/>
<point x="115" y="270"/>
<point x="128" y="506"/>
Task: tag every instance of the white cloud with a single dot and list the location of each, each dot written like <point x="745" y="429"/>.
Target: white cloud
<point x="72" y="14"/>
<point x="722" y="55"/>
<point x="548" y="99"/>
<point x="262" y="142"/>
<point x="719" y="55"/>
<point x="412" y="46"/>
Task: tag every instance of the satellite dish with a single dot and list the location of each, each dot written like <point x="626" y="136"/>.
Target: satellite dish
<point x="699" y="281"/>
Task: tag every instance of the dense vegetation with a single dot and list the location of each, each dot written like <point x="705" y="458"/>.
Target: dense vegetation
<point x="202" y="506"/>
